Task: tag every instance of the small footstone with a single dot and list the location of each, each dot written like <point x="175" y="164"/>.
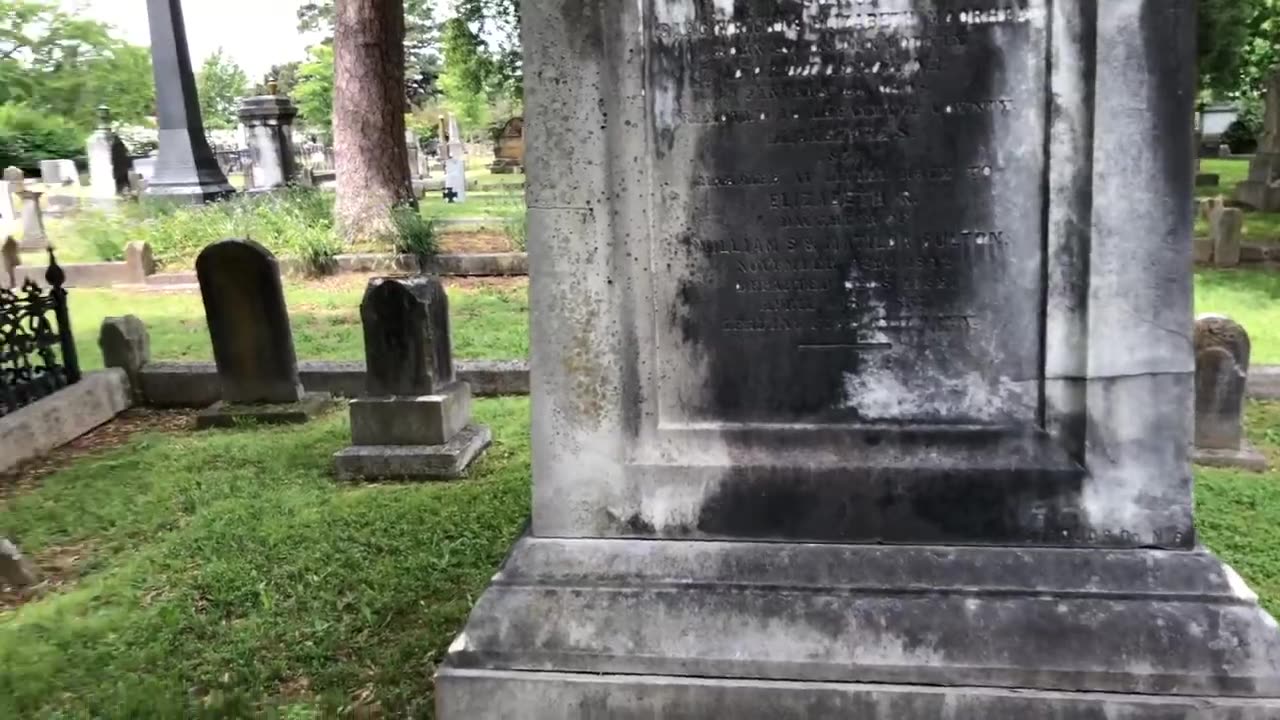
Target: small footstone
<point x="420" y="462"/>
<point x="227" y="415"/>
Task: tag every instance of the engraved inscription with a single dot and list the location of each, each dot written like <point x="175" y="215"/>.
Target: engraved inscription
<point x="865" y="191"/>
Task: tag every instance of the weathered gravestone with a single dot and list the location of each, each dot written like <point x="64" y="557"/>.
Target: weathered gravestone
<point x="10" y="259"/>
<point x="15" y="569"/>
<point x="862" y="377"/>
<point x="508" y="148"/>
<point x="1226" y="230"/>
<point x="108" y="162"/>
<point x="416" y="420"/>
<point x="455" y="163"/>
<point x="34" y="236"/>
<point x="126" y="344"/>
<point x="252" y="340"/>
<point x="59" y="172"/>
<point x="1222" y="372"/>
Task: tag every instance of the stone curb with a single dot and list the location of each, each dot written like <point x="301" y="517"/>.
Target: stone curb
<point x="58" y="419"/>
<point x="195" y="384"/>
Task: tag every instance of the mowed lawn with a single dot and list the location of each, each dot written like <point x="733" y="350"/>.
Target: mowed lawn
<point x="488" y="319"/>
<point x="226" y="574"/>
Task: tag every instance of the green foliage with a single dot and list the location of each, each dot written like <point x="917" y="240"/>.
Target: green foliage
<point x="314" y="90"/>
<point x="415" y="234"/>
<point x="1223" y="29"/>
<point x="422" y="61"/>
<point x="221" y="83"/>
<point x="487" y="54"/>
<point x="63" y="65"/>
<point x="297" y="222"/>
<point x="517" y="229"/>
<point x="28" y="136"/>
<point x="286" y="77"/>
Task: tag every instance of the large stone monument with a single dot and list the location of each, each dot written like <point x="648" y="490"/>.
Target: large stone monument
<point x="1262" y="190"/>
<point x="508" y="148"/>
<point x="186" y="170"/>
<point x="34" y="236"/>
<point x="252" y="339"/>
<point x="108" y="162"/>
<point x="268" y="126"/>
<point x="862" y="373"/>
<point x="416" y="419"/>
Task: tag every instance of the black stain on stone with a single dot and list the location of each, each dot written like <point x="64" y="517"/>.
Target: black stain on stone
<point x="785" y="309"/>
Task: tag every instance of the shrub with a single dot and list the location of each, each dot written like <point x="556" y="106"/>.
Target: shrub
<point x="297" y="222"/>
<point x="415" y="235"/>
<point x="28" y="136"/>
<point x="517" y="229"/>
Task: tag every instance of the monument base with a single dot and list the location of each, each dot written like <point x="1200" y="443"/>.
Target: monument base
<point x="227" y="415"/>
<point x="1246" y="457"/>
<point x="421" y="462"/>
<point x="589" y="628"/>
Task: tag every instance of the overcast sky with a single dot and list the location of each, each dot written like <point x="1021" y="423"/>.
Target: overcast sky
<point x="255" y="33"/>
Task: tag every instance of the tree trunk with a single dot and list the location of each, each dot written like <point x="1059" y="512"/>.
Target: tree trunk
<point x="368" y="116"/>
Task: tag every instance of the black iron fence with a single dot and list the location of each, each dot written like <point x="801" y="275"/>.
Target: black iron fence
<point x="37" y="352"/>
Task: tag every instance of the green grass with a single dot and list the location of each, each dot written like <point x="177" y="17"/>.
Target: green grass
<point x="486" y="322"/>
<point x="479" y="203"/>
<point x="1230" y="173"/>
<point x="1238" y="513"/>
<point x="227" y="572"/>
<point x="1250" y="297"/>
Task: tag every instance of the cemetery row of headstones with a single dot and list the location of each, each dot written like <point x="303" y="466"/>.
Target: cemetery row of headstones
<point x="415" y="420"/>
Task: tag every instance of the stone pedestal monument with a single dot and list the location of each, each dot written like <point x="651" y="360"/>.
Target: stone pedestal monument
<point x="415" y="421"/>
<point x="862" y="373"/>
<point x="34" y="237"/>
<point x="108" y="162"/>
<point x="186" y="170"/>
<point x="1262" y="190"/>
<point x="268" y="127"/>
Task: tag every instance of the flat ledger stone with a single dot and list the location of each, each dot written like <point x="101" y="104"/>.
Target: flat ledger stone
<point x="227" y="415"/>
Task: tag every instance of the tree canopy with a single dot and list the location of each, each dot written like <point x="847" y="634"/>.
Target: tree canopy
<point x="422" y="59"/>
<point x="221" y="83"/>
<point x="63" y="65"/>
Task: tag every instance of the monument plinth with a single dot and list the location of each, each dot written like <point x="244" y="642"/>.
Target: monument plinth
<point x="862" y="373"/>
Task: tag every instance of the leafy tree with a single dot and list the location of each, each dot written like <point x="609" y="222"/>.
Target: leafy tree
<point x="286" y="77"/>
<point x="221" y="83"/>
<point x="1222" y="32"/>
<point x="314" y="90"/>
<point x="55" y="62"/>
<point x="422" y="62"/>
<point x="488" y="49"/>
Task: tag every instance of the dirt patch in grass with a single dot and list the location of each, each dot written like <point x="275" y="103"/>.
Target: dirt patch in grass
<point x="474" y="242"/>
<point x="56" y="568"/>
<point x="105" y="437"/>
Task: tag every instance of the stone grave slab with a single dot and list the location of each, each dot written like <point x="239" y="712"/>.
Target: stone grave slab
<point x="252" y="338"/>
<point x="415" y="420"/>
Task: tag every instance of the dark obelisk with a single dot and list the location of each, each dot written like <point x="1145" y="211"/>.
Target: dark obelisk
<point x="186" y="170"/>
